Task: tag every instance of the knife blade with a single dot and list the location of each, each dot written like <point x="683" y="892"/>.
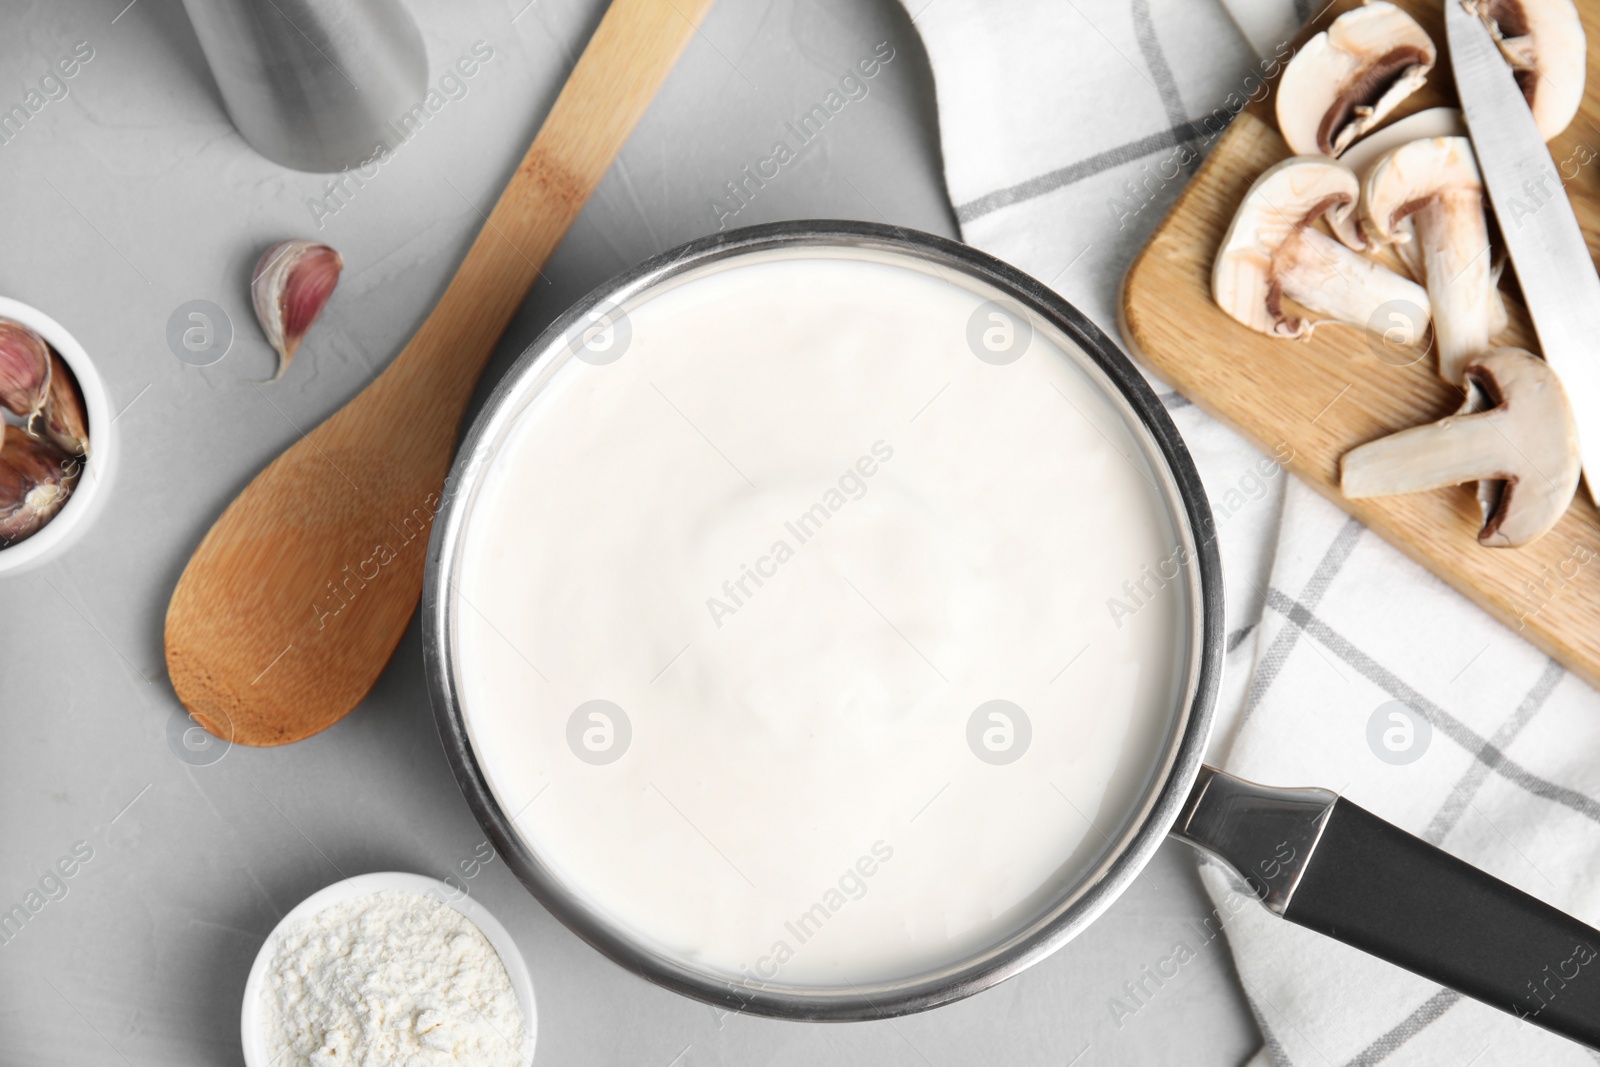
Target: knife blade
<point x="1557" y="274"/>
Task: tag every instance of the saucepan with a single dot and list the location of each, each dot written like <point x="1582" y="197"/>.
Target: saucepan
<point x="601" y="851"/>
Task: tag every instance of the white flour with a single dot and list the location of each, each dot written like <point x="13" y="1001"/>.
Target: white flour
<point x="391" y="978"/>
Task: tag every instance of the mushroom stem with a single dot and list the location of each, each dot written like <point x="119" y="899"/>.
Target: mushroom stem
<point x="1456" y="449"/>
<point x="1455" y="254"/>
<point x="1329" y="279"/>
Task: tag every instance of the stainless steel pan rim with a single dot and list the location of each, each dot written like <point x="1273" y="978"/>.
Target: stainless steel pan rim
<point x="1167" y="786"/>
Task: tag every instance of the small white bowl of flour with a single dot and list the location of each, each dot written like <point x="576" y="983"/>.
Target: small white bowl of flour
<point x="389" y="968"/>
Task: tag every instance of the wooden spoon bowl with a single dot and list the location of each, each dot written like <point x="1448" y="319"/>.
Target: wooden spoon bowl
<point x="296" y="598"/>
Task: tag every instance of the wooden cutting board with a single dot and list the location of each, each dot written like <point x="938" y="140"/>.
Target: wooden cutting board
<point x="1313" y="401"/>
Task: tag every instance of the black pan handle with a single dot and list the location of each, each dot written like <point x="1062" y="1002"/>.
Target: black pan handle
<point x="1334" y="867"/>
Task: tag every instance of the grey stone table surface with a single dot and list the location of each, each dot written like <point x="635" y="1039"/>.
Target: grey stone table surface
<point x="131" y="194"/>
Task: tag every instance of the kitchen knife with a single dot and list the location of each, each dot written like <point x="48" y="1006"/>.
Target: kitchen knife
<point x="1559" y="284"/>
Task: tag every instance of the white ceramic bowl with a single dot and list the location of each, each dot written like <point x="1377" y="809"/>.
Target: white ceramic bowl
<point x="251" y="1018"/>
<point x="86" y="499"/>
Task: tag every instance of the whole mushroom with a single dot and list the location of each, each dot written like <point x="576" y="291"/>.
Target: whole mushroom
<point x="1273" y="250"/>
<point x="1524" y="438"/>
<point x="1435" y="183"/>
<point x="1348" y="77"/>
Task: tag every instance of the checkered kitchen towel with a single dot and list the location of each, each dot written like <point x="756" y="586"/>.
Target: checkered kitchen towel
<point x="1068" y="127"/>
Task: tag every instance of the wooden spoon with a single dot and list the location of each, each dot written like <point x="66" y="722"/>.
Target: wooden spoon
<point x="297" y="597"/>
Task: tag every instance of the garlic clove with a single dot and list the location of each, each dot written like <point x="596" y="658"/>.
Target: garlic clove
<point x="35" y="480"/>
<point x="63" y="419"/>
<point x="291" y="286"/>
<point x="24" y="370"/>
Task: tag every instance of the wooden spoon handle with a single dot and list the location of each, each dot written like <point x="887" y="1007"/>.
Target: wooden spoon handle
<point x="619" y="73"/>
<point x="296" y="598"/>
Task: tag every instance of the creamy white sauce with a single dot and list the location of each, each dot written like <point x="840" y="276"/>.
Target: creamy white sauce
<point x="798" y="801"/>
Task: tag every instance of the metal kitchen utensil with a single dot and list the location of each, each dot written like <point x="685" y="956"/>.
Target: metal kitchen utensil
<point x="1309" y="855"/>
<point x="1556" y="273"/>
<point x="313" y="84"/>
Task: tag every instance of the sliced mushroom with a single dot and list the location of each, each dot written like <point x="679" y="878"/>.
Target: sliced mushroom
<point x="1434" y="122"/>
<point x="1543" y="40"/>
<point x="1272" y="251"/>
<point x="1524" y="437"/>
<point x="1348" y="77"/>
<point x="1435" y="183"/>
<point x="35" y="481"/>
